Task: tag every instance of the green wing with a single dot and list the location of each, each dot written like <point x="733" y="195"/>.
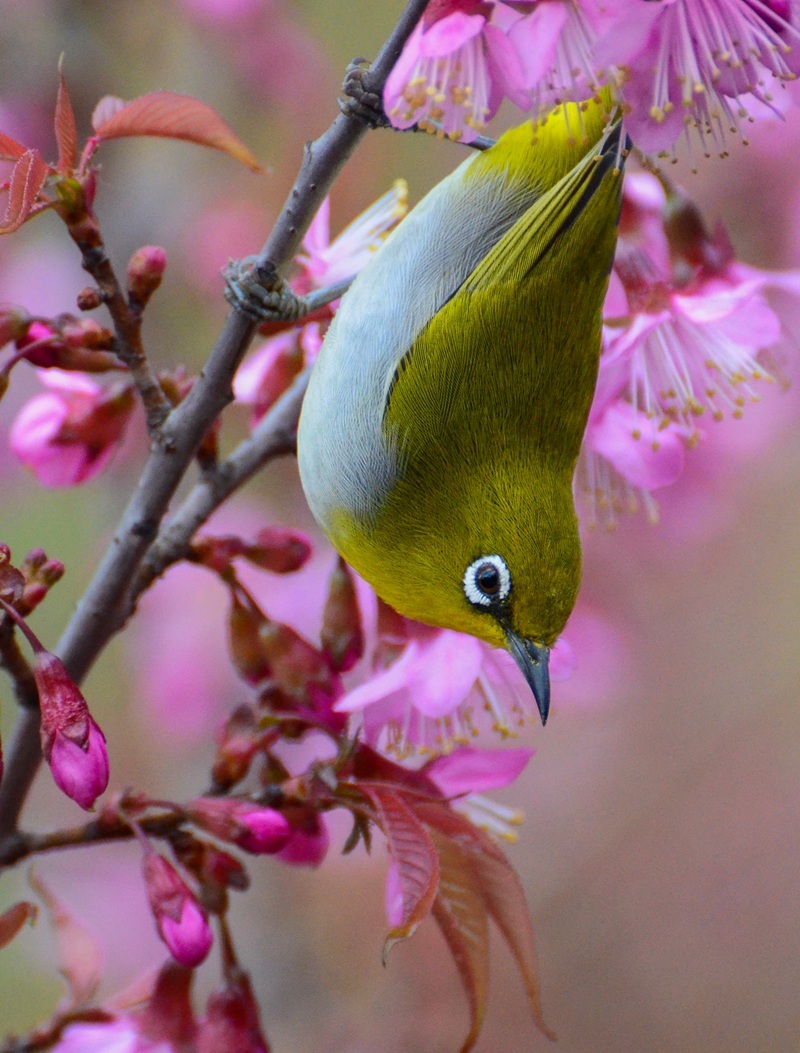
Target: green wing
<point x="508" y="366"/>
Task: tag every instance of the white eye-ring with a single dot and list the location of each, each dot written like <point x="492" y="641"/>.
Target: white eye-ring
<point x="487" y="581"/>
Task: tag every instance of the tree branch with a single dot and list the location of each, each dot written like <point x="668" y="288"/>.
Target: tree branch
<point x="97" y="617"/>
<point x="274" y="435"/>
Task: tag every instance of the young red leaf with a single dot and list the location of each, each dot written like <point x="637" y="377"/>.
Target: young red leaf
<point x="10" y="149"/>
<point x="13" y="920"/>
<point x="172" y="116"/>
<point x="414" y="856"/>
<point x="80" y="960"/>
<point x="27" y="180"/>
<point x="66" y="133"/>
<point x="460" y="912"/>
<point x="502" y="892"/>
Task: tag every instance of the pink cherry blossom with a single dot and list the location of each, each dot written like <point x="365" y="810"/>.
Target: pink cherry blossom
<point x="440" y="689"/>
<point x="697" y="63"/>
<point x="465" y="775"/>
<point x="69" y="434"/>
<point x="454" y="71"/>
<point x="554" y="43"/>
<point x="686" y="329"/>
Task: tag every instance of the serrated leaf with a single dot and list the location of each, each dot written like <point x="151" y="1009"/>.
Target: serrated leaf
<point x="502" y="892"/>
<point x="414" y="855"/>
<point x="66" y="132"/>
<point x="171" y="115"/>
<point x="14" y="918"/>
<point x="80" y="959"/>
<point x="27" y="180"/>
<point x="10" y="149"/>
<point x="461" y="914"/>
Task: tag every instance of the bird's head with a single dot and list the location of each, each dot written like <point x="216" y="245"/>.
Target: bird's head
<point x="500" y="561"/>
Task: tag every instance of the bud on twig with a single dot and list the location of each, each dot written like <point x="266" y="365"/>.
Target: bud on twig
<point x="181" y="922"/>
<point x="253" y="827"/>
<point x="72" y="743"/>
<point x="145" y="271"/>
<point x="231" y="1023"/>
<point x="342" y="634"/>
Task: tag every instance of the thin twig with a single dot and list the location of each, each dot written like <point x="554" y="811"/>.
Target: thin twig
<point x="127" y="325"/>
<point x="97" y="617"/>
<point x="274" y="435"/>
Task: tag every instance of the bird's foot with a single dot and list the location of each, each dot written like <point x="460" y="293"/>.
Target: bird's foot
<point x="357" y="101"/>
<point x="261" y="293"/>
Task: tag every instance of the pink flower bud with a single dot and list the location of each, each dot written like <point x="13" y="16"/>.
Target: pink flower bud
<point x="72" y="743"/>
<point x="69" y="434"/>
<point x="181" y="922"/>
<point x="45" y="344"/>
<point x="145" y="271"/>
<point x="253" y="827"/>
<point x="231" y="1023"/>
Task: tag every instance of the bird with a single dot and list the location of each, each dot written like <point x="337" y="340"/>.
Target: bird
<point x="444" y="415"/>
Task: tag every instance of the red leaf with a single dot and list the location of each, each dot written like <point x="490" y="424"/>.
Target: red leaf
<point x="66" y="133"/>
<point x="79" y="957"/>
<point x="173" y="116"/>
<point x="502" y="892"/>
<point x="414" y="856"/>
<point x="460" y="911"/>
<point x="27" y="180"/>
<point x="13" y="920"/>
<point x="10" y="149"/>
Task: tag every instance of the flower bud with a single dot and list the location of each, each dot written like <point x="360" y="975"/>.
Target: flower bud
<point x="222" y="869"/>
<point x="72" y="743"/>
<point x="44" y="342"/>
<point x="244" y="626"/>
<point x="87" y="334"/>
<point x="301" y="672"/>
<point x="231" y="1023"/>
<point x="237" y="744"/>
<point x="253" y="827"/>
<point x="145" y="271"/>
<point x="89" y="298"/>
<point x="342" y="634"/>
<point x="181" y="922"/>
<point x="278" y="549"/>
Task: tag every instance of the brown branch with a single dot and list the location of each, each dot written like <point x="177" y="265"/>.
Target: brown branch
<point x="98" y="615"/>
<point x="127" y="321"/>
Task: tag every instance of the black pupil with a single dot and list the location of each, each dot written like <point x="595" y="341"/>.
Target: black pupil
<point x="487" y="578"/>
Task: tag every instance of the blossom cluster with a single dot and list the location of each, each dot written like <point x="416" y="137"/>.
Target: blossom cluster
<point x="707" y="65"/>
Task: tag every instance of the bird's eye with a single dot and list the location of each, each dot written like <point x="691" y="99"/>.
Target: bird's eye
<point x="487" y="581"/>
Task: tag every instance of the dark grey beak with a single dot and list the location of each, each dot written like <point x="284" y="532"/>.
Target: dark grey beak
<point x="534" y="661"/>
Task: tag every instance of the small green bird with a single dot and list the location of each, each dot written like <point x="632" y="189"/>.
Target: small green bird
<point x="444" y="415"/>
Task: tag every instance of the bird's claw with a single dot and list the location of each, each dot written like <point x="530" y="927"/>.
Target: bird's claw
<point x="357" y="101"/>
<point x="260" y="292"/>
